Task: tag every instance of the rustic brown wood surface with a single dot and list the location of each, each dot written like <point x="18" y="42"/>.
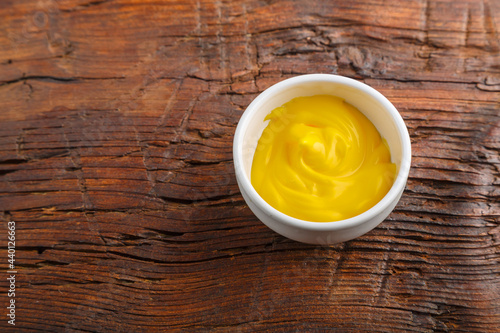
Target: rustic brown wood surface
<point x="116" y="131"/>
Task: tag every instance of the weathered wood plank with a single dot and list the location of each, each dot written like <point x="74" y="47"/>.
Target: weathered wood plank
<point x="116" y="164"/>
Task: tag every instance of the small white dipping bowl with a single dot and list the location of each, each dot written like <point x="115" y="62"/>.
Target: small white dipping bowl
<point x="372" y="104"/>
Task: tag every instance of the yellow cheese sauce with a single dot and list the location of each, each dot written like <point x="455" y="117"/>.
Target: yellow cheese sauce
<point x="320" y="159"/>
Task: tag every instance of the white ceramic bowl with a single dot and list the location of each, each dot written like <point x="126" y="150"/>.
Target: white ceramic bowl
<point x="372" y="104"/>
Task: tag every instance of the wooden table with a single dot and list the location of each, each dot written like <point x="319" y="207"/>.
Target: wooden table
<point x="116" y="131"/>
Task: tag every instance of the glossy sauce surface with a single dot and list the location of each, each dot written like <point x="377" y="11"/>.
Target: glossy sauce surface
<point x="320" y="159"/>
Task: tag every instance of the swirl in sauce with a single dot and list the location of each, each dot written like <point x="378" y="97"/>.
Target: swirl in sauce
<point x="320" y="159"/>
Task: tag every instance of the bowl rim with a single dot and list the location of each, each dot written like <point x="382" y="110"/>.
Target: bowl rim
<point x="394" y="192"/>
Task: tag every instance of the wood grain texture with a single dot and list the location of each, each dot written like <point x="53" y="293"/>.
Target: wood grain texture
<point x="116" y="136"/>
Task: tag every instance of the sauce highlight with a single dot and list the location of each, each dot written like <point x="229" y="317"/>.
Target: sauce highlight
<point x="320" y="159"/>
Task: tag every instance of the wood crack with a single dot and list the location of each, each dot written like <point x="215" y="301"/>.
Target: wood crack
<point x="56" y="79"/>
<point x="84" y="6"/>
